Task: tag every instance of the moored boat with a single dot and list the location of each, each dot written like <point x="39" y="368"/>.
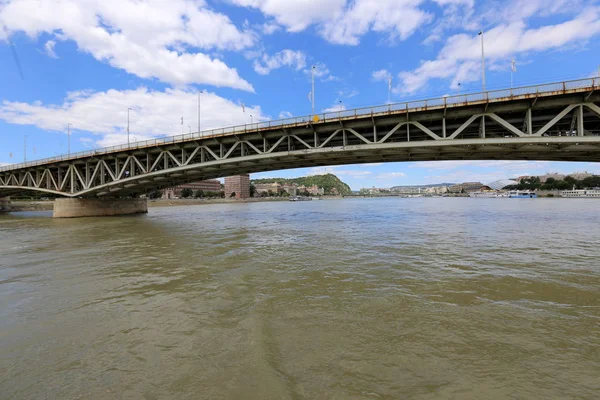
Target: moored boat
<point x="522" y="194"/>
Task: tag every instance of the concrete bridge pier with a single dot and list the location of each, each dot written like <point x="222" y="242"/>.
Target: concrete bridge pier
<point x="4" y="204"/>
<point x="98" y="207"/>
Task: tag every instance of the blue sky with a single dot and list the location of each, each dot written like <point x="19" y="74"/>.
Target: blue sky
<point x="86" y="62"/>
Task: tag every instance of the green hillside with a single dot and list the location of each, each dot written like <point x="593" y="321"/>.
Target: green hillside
<point x="327" y="182"/>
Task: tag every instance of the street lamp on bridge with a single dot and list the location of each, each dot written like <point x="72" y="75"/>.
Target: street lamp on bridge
<point x="69" y="138"/>
<point x="128" y="109"/>
<point x="482" y="61"/>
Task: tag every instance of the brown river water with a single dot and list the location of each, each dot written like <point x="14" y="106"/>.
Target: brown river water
<point x="343" y="299"/>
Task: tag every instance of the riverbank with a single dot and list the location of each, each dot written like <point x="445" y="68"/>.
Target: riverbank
<point x="48" y="205"/>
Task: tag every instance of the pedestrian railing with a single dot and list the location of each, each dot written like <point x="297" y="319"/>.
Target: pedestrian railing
<point x="446" y="101"/>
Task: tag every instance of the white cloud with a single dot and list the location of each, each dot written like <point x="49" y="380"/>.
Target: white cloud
<point x="505" y="164"/>
<point x="321" y="72"/>
<point x="335" y="108"/>
<point x="49" y="47"/>
<point x="295" y="15"/>
<point x="285" y="114"/>
<point x="339" y="170"/>
<point x="269" y="28"/>
<point x="397" y="18"/>
<point x="342" y="21"/>
<point x="348" y="93"/>
<point x="289" y="58"/>
<point x="151" y="39"/>
<point x="154" y="114"/>
<point x="391" y="175"/>
<point x="459" y="59"/>
<point x="381" y="75"/>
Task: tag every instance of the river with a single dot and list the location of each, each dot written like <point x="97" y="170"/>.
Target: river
<point x="425" y="298"/>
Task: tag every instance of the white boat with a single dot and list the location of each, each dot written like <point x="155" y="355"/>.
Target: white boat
<point x="582" y="193"/>
<point x="522" y="194"/>
<point x="488" y="194"/>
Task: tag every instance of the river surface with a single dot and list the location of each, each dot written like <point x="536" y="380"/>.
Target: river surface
<point x="343" y="299"/>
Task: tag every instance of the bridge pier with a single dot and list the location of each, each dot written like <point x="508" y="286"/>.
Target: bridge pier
<point x="4" y="204"/>
<point x="96" y="207"/>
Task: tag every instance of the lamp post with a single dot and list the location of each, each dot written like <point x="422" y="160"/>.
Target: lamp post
<point x="199" y="93"/>
<point x="251" y="119"/>
<point x="482" y="61"/>
<point x="190" y="128"/>
<point x="313" y="89"/>
<point x="69" y="139"/>
<point x="128" y="109"/>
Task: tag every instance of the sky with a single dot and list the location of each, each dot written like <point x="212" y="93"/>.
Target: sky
<point x="86" y="62"/>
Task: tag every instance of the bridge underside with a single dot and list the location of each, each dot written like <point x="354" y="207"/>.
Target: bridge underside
<point x="560" y="127"/>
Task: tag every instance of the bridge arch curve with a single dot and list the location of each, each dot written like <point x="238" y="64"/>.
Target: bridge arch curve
<point x="554" y="122"/>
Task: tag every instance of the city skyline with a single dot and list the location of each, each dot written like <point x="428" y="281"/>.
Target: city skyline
<point x="69" y="89"/>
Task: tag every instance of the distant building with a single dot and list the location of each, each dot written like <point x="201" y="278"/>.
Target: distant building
<point x="468" y="187"/>
<point x="291" y="189"/>
<point x="409" y="189"/>
<point x="522" y="178"/>
<point x="261" y="188"/>
<point x="312" y="190"/>
<point x="502" y="183"/>
<point x="437" y="190"/>
<point x="239" y="184"/>
<point x="580" y="175"/>
<point x="212" y="185"/>
<point x="555" y="176"/>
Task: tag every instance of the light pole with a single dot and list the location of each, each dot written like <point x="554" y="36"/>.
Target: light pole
<point x="389" y="90"/>
<point x="128" y="109"/>
<point x="482" y="61"/>
<point x="251" y="119"/>
<point x="513" y="68"/>
<point x="69" y="139"/>
<point x="312" y="93"/>
<point x="199" y="93"/>
<point x="190" y="128"/>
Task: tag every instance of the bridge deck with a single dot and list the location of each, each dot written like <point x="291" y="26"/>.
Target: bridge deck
<point x="561" y="122"/>
<point x="444" y="103"/>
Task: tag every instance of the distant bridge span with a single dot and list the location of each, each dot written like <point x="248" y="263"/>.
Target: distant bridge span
<point x="556" y="122"/>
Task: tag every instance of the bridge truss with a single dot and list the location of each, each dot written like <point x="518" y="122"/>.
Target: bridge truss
<point x="560" y="125"/>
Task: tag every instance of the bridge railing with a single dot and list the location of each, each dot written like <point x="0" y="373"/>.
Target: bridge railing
<point x="446" y="101"/>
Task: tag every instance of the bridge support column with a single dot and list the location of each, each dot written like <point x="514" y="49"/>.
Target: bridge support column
<point x="4" y="204"/>
<point x="75" y="208"/>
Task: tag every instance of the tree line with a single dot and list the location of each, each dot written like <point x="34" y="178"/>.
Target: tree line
<point x="534" y="183"/>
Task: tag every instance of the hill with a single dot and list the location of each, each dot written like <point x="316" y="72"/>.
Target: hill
<point x="327" y="182"/>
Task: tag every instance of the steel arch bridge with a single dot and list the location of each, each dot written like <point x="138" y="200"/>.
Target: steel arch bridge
<point x="556" y="122"/>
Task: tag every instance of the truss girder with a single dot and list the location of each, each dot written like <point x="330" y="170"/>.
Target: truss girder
<point x="386" y="138"/>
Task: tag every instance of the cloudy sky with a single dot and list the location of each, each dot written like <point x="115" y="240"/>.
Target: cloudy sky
<point x="85" y="62"/>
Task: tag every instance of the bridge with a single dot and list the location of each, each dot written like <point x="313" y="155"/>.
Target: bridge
<point x="556" y="122"/>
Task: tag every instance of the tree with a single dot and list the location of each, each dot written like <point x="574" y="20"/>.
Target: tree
<point x="232" y="195"/>
<point x="252" y="190"/>
<point x="270" y="193"/>
<point x="199" y="193"/>
<point x="187" y="192"/>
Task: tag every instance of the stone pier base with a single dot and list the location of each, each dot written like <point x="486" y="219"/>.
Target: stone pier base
<point x="75" y="208"/>
<point x="4" y="204"/>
